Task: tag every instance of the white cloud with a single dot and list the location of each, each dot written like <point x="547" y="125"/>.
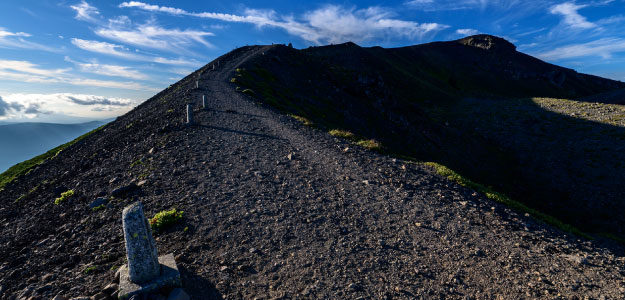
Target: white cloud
<point x="25" y="71"/>
<point x="331" y="23"/>
<point x="108" y="70"/>
<point x="14" y="40"/>
<point x="86" y="12"/>
<point x="156" y="37"/>
<point x="603" y="48"/>
<point x="123" y="52"/>
<point x="19" y="106"/>
<point x="467" y="31"/>
<point x="572" y="18"/>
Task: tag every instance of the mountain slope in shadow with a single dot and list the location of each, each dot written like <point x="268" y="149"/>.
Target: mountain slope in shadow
<point x="414" y="101"/>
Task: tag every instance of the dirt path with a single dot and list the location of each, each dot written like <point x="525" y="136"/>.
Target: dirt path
<point x="275" y="209"/>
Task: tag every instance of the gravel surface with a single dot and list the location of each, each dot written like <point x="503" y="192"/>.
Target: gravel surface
<point x="277" y="210"/>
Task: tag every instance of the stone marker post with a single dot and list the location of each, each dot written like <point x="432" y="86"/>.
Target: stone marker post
<point x="189" y="114"/>
<point x="141" y="252"/>
<point x="197" y="84"/>
<point x="204" y="102"/>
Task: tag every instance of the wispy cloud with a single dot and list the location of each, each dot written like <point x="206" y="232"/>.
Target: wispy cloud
<point x="467" y="31"/>
<point x="97" y="100"/>
<point x="439" y="5"/>
<point x="25" y="71"/>
<point x="16" y="40"/>
<point x="329" y="24"/>
<point x="108" y="70"/>
<point x="571" y="16"/>
<point x="604" y="48"/>
<point x="86" y="12"/>
<point x="123" y="52"/>
<point x="155" y="37"/>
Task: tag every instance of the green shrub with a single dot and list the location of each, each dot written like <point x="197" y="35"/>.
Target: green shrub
<point x="90" y="269"/>
<point x="64" y="196"/>
<point x="165" y="219"/>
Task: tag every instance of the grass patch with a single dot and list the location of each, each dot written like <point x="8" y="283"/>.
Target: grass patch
<point x="248" y="92"/>
<point x="64" y="196"/>
<point x="136" y="162"/>
<point x="26" y="166"/>
<point x="501" y="198"/>
<point x="301" y="119"/>
<point x="171" y="110"/>
<point x="370" y="144"/>
<point x="348" y="135"/>
<point x="90" y="269"/>
<point x="98" y="207"/>
<point x="165" y="218"/>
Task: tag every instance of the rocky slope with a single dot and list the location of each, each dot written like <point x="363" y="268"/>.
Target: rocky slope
<point x="277" y="210"/>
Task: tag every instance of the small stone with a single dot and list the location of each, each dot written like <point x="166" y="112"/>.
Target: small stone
<point x="142" y="182"/>
<point x="178" y="294"/>
<point x="59" y="297"/>
<point x="223" y="268"/>
<point x="575" y="259"/>
<point x="47" y="277"/>
<point x="97" y="202"/>
<point x="151" y="150"/>
<point x="290" y="156"/>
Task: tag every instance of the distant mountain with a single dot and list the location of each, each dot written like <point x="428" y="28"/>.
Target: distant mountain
<point x="21" y="141"/>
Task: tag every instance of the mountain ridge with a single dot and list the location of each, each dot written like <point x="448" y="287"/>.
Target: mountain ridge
<point x="276" y="209"/>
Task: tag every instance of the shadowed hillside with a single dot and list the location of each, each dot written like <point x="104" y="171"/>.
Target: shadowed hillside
<point x="414" y="100"/>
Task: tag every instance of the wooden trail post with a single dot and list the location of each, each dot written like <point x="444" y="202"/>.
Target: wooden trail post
<point x="204" y="102"/>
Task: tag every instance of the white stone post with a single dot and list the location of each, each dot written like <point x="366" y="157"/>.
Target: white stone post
<point x="204" y="102"/>
<point x="189" y="114"/>
<point x="141" y="252"/>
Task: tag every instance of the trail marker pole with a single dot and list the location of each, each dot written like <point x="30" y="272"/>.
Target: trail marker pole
<point x="204" y="102"/>
<point x="197" y="84"/>
<point x="189" y="114"/>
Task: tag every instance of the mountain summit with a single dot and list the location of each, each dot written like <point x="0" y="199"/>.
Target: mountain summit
<point x="275" y="207"/>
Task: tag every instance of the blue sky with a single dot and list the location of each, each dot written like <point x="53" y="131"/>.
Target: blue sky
<point x="75" y="60"/>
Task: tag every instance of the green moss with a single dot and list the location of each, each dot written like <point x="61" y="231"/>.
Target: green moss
<point x="248" y="92"/>
<point x="26" y="166"/>
<point x="343" y="134"/>
<point x="303" y="120"/>
<point x="171" y="110"/>
<point x="370" y="144"/>
<point x="501" y="198"/>
<point x="90" y="269"/>
<point x="64" y="196"/>
<point x="165" y="219"/>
